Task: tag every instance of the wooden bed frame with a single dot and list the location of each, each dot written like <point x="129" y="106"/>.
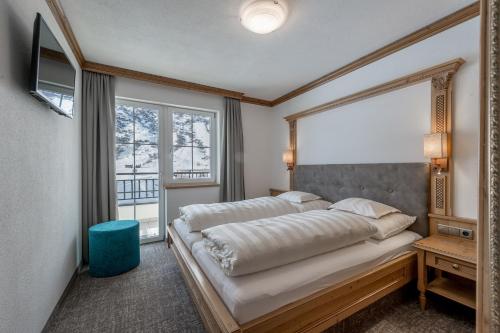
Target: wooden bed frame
<point x="314" y="313"/>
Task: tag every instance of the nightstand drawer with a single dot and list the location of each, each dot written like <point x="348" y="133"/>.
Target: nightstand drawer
<point x="451" y="265"/>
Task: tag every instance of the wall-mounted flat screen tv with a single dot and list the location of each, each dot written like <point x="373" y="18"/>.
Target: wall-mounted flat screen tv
<point x="52" y="74"/>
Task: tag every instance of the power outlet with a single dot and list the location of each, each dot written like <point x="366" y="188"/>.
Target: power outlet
<point x="466" y="233"/>
<point x="444" y="229"/>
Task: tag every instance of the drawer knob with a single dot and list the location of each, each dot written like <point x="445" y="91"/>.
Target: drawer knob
<point x="455" y="266"/>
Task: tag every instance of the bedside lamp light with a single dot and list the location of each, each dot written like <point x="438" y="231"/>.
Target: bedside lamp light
<point x="288" y="159"/>
<point x="436" y="148"/>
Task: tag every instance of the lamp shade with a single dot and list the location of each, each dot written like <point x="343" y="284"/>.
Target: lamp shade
<point x="263" y="16"/>
<point x="436" y="145"/>
<point x="288" y="156"/>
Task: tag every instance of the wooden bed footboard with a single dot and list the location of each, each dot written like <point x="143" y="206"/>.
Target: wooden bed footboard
<point x="314" y="313"/>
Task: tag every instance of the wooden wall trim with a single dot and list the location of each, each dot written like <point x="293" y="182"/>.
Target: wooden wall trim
<point x="62" y="21"/>
<point x="292" y="145"/>
<point x="167" y="81"/>
<point x="426" y="74"/>
<point x="158" y="79"/>
<point x="441" y="122"/>
<point x="430" y="30"/>
<point x="256" y="101"/>
<point x="454" y="218"/>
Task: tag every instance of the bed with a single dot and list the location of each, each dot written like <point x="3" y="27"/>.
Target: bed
<point x="321" y="290"/>
<point x="202" y="216"/>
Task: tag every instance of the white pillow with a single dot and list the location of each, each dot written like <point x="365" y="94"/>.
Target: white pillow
<point x="391" y="225"/>
<point x="364" y="207"/>
<point x="312" y="205"/>
<point x="298" y="196"/>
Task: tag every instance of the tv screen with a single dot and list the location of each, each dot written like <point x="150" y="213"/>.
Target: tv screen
<point x="52" y="74"/>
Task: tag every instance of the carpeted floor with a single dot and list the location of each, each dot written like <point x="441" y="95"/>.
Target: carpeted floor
<point x="154" y="298"/>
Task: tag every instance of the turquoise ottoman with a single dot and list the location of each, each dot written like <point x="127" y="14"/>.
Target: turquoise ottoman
<point x="113" y="247"/>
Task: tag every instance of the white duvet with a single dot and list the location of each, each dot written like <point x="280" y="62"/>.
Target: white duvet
<point x="243" y="248"/>
<point x="202" y="216"/>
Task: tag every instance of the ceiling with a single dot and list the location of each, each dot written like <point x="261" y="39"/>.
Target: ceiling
<point x="203" y="41"/>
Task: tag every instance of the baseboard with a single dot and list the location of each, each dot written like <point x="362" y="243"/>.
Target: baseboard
<point x="63" y="296"/>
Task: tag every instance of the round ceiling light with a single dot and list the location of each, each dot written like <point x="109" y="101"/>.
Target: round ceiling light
<point x="263" y="16"/>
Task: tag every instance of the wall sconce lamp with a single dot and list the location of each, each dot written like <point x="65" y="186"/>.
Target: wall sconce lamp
<point x="436" y="148"/>
<point x="288" y="159"/>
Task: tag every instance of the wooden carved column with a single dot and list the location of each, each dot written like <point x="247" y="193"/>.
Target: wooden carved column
<point x="441" y="122"/>
<point x="293" y="147"/>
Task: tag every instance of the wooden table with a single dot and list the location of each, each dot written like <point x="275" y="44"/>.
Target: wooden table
<point x="454" y="256"/>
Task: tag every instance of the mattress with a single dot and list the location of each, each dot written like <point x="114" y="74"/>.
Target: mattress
<point x="189" y="238"/>
<point x="250" y="296"/>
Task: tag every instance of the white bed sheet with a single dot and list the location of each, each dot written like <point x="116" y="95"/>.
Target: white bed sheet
<point x="250" y="296"/>
<point x="189" y="238"/>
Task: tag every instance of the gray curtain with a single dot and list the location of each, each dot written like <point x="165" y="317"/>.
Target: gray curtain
<point x="98" y="152"/>
<point x="232" y="184"/>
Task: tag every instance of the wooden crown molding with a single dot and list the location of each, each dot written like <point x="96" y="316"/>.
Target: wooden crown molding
<point x="256" y="101"/>
<point x="158" y="79"/>
<point x="430" y="30"/>
<point x="449" y="67"/>
<point x="62" y="21"/>
<point x="170" y="82"/>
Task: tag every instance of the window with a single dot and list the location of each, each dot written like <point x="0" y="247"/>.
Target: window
<point x="138" y="163"/>
<point x="158" y="144"/>
<point x="191" y="143"/>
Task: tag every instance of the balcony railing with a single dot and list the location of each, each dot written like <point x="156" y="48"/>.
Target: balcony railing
<point x="147" y="190"/>
<point x="140" y="190"/>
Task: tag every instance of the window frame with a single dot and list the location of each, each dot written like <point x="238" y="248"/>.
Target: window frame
<point x="169" y="145"/>
<point x="135" y="103"/>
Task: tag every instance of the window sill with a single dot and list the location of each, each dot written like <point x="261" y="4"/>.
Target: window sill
<point x="188" y="185"/>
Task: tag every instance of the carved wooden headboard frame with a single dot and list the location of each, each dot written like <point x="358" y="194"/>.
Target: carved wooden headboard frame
<point x="441" y="112"/>
<point x="441" y="77"/>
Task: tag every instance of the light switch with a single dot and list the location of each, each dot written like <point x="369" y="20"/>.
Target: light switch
<point x="443" y="229"/>
<point x="453" y="231"/>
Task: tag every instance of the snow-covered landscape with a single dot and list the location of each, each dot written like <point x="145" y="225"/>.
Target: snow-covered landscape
<point x="137" y="135"/>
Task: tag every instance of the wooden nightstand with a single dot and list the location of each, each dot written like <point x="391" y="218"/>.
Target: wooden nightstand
<point x="454" y="262"/>
<point x="274" y="192"/>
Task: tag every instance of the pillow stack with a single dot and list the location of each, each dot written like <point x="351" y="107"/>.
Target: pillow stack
<point x="388" y="220"/>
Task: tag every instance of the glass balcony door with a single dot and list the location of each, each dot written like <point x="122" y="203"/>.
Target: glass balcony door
<point x="138" y="180"/>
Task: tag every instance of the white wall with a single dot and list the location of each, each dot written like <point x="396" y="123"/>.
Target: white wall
<point x="257" y="130"/>
<point x="158" y="93"/>
<point x="40" y="181"/>
<point x="365" y="132"/>
<point x="362" y="132"/>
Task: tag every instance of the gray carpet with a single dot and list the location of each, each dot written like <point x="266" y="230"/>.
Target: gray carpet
<point x="154" y="298"/>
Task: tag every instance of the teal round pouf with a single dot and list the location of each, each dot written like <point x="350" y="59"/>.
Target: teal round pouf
<point x="113" y="247"/>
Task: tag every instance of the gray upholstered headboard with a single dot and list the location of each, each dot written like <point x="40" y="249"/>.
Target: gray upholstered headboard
<point x="401" y="185"/>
